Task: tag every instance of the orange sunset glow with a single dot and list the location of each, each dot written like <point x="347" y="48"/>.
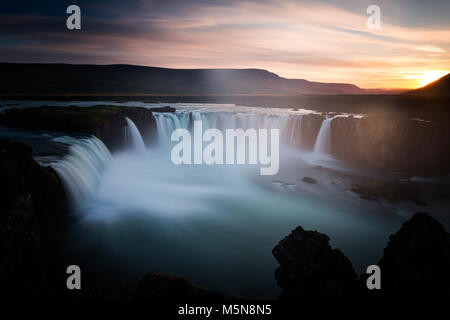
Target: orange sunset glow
<point x="325" y="41"/>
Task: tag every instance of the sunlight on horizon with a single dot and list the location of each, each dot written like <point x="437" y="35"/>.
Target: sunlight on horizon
<point x="321" y="41"/>
<point x="431" y="76"/>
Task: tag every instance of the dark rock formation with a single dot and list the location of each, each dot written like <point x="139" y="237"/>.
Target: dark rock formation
<point x="415" y="264"/>
<point x="26" y="188"/>
<point x="392" y="143"/>
<point x="159" y="286"/>
<point x="94" y="286"/>
<point x="311" y="124"/>
<point x="393" y="191"/>
<point x="42" y="183"/>
<point x="105" y="122"/>
<point x="416" y="261"/>
<point x="310" y="267"/>
<point x="154" y="286"/>
<point x="21" y="270"/>
<point x="309" y="180"/>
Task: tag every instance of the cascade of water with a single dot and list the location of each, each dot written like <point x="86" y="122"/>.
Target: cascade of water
<point x="133" y="137"/>
<point x="295" y="131"/>
<point x="161" y="128"/>
<point x="289" y="125"/>
<point x="184" y="119"/>
<point x="322" y="144"/>
<point x="80" y="170"/>
<point x="139" y="190"/>
<point x="167" y="122"/>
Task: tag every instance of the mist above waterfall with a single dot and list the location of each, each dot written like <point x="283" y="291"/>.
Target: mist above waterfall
<point x="138" y="211"/>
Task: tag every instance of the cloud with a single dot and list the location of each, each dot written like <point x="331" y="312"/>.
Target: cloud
<point x="429" y="48"/>
<point x="320" y="41"/>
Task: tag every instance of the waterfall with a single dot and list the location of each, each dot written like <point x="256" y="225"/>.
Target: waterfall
<point x="322" y="144"/>
<point x="133" y="137"/>
<point x="294" y="130"/>
<point x="167" y="122"/>
<point x="288" y="124"/>
<point x="80" y="170"/>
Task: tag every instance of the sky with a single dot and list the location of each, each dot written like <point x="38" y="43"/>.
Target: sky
<point x="326" y="41"/>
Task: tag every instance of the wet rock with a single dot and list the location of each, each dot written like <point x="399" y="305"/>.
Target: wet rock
<point x="310" y="267"/>
<point x="311" y="124"/>
<point x="94" y="286"/>
<point x="26" y="190"/>
<point x="42" y="183"/>
<point x="309" y="180"/>
<point x="159" y="286"/>
<point x="21" y="269"/>
<point x="393" y="191"/>
<point x="416" y="261"/>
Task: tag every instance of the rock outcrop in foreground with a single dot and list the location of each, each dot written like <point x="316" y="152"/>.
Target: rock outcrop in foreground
<point x="415" y="264"/>
<point x="26" y="191"/>
<point x="160" y="286"/>
<point x="416" y="261"/>
<point x="310" y="267"/>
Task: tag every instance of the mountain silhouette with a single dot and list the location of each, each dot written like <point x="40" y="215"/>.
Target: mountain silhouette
<point x="20" y="78"/>
<point x="440" y="87"/>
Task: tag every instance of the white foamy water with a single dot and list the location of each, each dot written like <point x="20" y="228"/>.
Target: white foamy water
<point x="322" y="144"/>
<point x="81" y="169"/>
<point x="215" y="225"/>
<point x="133" y="137"/>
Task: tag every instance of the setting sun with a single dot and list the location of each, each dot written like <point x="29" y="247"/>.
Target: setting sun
<point x="431" y="76"/>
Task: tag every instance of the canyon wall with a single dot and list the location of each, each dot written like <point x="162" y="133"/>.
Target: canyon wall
<point x="393" y="143"/>
<point x="310" y="128"/>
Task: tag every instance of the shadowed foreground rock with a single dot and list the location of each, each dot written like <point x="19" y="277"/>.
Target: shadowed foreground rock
<point x="415" y="264"/>
<point x="26" y="190"/>
<point x="416" y="261"/>
<point x="94" y="286"/>
<point x="160" y="286"/>
<point x="310" y="267"/>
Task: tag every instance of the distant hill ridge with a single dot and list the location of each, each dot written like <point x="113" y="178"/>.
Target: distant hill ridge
<point x="21" y="78"/>
<point x="438" y="87"/>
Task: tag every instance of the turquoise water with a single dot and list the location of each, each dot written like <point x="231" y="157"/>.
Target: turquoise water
<point x="215" y="225"/>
